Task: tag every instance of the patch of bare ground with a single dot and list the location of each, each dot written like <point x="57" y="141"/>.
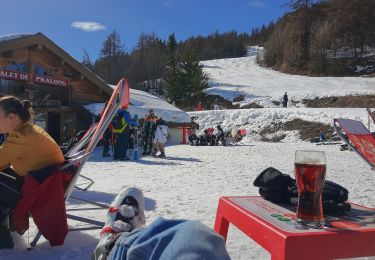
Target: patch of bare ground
<point x="344" y="101"/>
<point x="208" y="102"/>
<point x="307" y="130"/>
<point x="251" y="105"/>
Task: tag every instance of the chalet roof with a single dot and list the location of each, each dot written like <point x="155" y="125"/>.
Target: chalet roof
<point x="141" y="102"/>
<point x="16" y="41"/>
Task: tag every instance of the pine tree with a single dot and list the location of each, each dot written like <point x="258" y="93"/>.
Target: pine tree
<point x="192" y="77"/>
<point x="112" y="47"/>
<point x="86" y="61"/>
<point x="297" y="4"/>
<point x="112" y="59"/>
<point x="172" y="43"/>
<point x="148" y="62"/>
<point x="173" y="78"/>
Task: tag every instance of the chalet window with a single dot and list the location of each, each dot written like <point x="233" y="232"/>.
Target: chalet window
<point x="39" y="70"/>
<point x="22" y="66"/>
<point x="52" y="94"/>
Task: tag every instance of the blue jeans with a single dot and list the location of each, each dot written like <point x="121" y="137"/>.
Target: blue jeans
<point x="170" y="239"/>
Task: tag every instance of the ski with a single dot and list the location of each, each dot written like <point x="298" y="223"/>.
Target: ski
<point x="114" y="103"/>
<point x="372" y="116"/>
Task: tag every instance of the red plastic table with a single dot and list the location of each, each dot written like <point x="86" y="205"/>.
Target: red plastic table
<point x="274" y="228"/>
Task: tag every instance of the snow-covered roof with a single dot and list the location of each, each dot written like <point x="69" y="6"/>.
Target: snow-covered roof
<point x="141" y="102"/>
<point x="8" y="37"/>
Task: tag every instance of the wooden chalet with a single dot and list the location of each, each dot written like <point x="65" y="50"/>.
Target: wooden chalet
<point x="33" y="67"/>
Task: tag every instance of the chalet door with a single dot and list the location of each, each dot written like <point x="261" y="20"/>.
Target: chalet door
<point x="53" y="125"/>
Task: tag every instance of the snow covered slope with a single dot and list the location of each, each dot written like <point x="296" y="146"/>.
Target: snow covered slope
<point x="232" y="77"/>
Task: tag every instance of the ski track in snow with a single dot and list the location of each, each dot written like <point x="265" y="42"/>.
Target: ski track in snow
<point x="188" y="183"/>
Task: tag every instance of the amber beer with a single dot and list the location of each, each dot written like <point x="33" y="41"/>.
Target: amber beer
<point x="310" y="176"/>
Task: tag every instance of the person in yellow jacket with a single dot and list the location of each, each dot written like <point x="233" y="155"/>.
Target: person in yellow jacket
<point x="27" y="147"/>
<point x="121" y="128"/>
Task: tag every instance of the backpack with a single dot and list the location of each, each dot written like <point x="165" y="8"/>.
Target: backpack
<point x="117" y="121"/>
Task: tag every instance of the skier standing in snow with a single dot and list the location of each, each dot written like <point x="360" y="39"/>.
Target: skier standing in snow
<point x="285" y="100"/>
<point x="161" y="137"/>
<point x="148" y="132"/>
<point x="121" y="128"/>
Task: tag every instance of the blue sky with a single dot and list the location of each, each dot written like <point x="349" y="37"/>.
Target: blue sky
<point x="85" y="24"/>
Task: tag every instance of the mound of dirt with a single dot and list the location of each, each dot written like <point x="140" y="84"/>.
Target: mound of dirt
<point x="307" y="130"/>
<point x="345" y="101"/>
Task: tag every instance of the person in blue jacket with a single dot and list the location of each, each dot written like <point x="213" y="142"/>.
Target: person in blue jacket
<point x="121" y="128"/>
<point x="125" y="236"/>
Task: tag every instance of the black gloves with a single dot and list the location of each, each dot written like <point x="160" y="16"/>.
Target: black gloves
<point x="278" y="187"/>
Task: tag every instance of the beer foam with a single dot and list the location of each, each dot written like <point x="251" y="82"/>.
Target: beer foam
<point x="310" y="160"/>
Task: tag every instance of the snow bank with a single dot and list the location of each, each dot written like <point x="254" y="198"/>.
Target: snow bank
<point x="254" y="120"/>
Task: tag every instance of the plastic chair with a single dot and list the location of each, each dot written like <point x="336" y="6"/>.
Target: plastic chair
<point x="80" y="153"/>
<point x="359" y="139"/>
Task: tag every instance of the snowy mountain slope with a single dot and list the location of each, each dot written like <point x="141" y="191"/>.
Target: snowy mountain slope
<point x="232" y="77"/>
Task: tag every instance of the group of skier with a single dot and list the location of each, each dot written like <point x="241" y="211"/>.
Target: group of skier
<point x="125" y="131"/>
<point x="154" y="135"/>
<point x="208" y="137"/>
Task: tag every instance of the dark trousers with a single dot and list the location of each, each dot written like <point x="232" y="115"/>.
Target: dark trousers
<point x="193" y="139"/>
<point x="121" y="145"/>
<point x="147" y="148"/>
<point x="220" y="138"/>
<point x="106" y="139"/>
<point x="105" y="146"/>
<point x="10" y="188"/>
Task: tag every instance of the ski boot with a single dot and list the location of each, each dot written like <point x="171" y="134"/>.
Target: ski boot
<point x="154" y="151"/>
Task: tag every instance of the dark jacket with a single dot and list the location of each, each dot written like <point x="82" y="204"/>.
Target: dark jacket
<point x="285" y="98"/>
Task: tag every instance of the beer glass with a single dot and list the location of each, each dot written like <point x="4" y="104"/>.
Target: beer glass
<point x="310" y="170"/>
